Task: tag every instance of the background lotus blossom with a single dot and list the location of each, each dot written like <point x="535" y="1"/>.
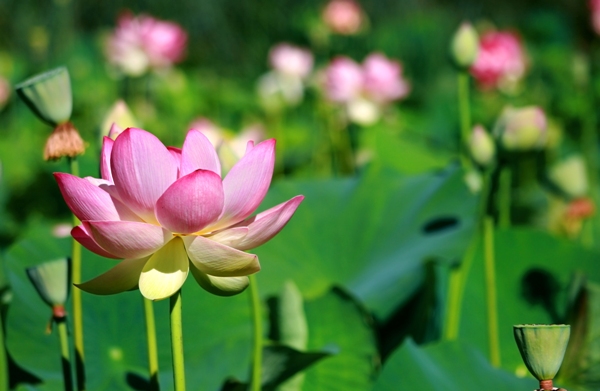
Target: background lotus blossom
<point x="166" y="212"/>
<point x="343" y="16"/>
<point x="143" y="42"/>
<point x="366" y="88"/>
<point x="284" y="84"/>
<point x="595" y="8"/>
<point x="500" y="60"/>
<point x="291" y="60"/>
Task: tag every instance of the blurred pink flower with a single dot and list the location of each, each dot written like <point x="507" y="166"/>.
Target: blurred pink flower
<point x="167" y="212"/>
<point x="365" y="89"/>
<point x="343" y="16"/>
<point x="383" y="78"/>
<point x="595" y="8"/>
<point x="500" y="60"/>
<point x="143" y="42"/>
<point x="344" y="79"/>
<point x="291" y="60"/>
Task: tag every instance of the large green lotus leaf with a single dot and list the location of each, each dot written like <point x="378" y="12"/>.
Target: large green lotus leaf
<point x="370" y="234"/>
<point x="417" y="157"/>
<point x="533" y="270"/>
<point x="336" y="319"/>
<point x="448" y="366"/>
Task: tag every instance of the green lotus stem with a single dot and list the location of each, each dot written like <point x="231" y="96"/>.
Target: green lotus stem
<point x="458" y="277"/>
<point x="152" y="346"/>
<point x="77" y="308"/>
<point x="504" y="197"/>
<point x="464" y="109"/>
<point x="177" y="342"/>
<point x="257" y="346"/>
<point x="490" y="284"/>
<point x="589" y="146"/>
<point x="61" y="325"/>
<point x="3" y="363"/>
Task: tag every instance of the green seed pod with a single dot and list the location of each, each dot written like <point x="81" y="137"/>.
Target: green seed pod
<point x="49" y="96"/>
<point x="542" y="347"/>
<point x="51" y="280"/>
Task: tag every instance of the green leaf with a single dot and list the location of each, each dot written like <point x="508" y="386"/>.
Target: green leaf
<point x="448" y="366"/>
<point x="370" y="234"/>
<point x="338" y="320"/>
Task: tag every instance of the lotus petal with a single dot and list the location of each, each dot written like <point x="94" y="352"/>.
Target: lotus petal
<point x="265" y="225"/>
<point x="105" y="173"/>
<point x="80" y="234"/>
<point x="86" y="201"/>
<point x="198" y="153"/>
<point x="216" y="259"/>
<point x="123" y="277"/>
<point x="142" y="169"/>
<point x="165" y="272"/>
<point x="220" y="286"/>
<point x="128" y="239"/>
<point x="247" y="183"/>
<point x="191" y="203"/>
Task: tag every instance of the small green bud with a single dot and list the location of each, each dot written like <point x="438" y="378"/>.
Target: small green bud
<point x="49" y="96"/>
<point x="465" y="46"/>
<point x="542" y="348"/>
<point x="482" y="146"/>
<point x="119" y="115"/>
<point x="570" y="175"/>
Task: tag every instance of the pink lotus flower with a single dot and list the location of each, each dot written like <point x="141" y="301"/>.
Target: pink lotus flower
<point x="500" y="60"/>
<point x="166" y="212"/>
<point x="291" y="60"/>
<point x="365" y="89"/>
<point x="344" y="79"/>
<point x="383" y="78"/>
<point x="143" y="42"/>
<point x="343" y="16"/>
<point x="595" y="8"/>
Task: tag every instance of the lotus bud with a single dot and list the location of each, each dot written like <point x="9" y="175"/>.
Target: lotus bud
<point x="570" y="176"/>
<point x="51" y="281"/>
<point x="542" y="348"/>
<point x="474" y="181"/>
<point x="49" y="95"/>
<point x="465" y="46"/>
<point x="522" y="129"/>
<point x="363" y="112"/>
<point x="120" y="115"/>
<point x="482" y="146"/>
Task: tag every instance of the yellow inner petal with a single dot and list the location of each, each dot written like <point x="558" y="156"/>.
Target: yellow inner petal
<point x="165" y="272"/>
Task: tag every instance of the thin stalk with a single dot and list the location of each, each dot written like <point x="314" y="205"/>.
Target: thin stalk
<point x="589" y="146"/>
<point x="152" y="346"/>
<point x="177" y="342"/>
<point x="490" y="284"/>
<point x="3" y="361"/>
<point x="504" y="197"/>
<point x="257" y="346"/>
<point x="61" y="325"/>
<point x="464" y="109"/>
<point x="77" y="307"/>
<point x="459" y="275"/>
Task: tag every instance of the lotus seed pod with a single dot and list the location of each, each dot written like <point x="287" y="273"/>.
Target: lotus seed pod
<point x="51" y="281"/>
<point x="542" y="348"/>
<point x="49" y="96"/>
